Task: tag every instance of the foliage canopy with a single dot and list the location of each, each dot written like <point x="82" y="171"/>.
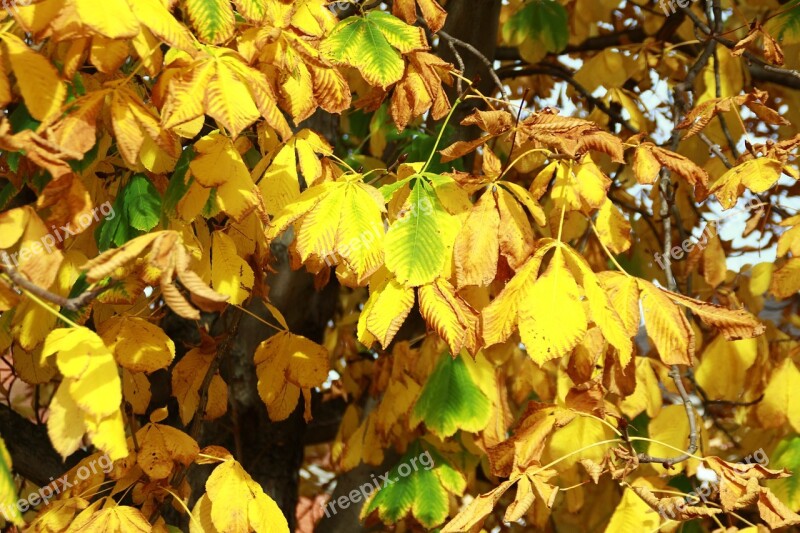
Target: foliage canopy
<point x="224" y="221"/>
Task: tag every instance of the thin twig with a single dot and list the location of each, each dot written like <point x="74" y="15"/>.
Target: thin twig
<point x="483" y="59"/>
<point x="567" y="76"/>
<point x="667" y="462"/>
<point x="70" y="304"/>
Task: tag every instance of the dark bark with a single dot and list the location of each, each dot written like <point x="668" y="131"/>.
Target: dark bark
<point x="32" y="455"/>
<point x="475" y="22"/>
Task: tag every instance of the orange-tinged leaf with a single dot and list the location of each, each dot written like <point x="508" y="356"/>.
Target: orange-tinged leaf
<point x="667" y="327"/>
<point x="285" y="364"/>
<point x="450" y="316"/>
<point x="478" y="246"/>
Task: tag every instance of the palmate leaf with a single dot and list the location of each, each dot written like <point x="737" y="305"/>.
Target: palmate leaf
<point x="374" y="44"/>
<point x="786" y="455"/>
<point x="451" y="400"/>
<point x="212" y="19"/>
<point x="337" y="222"/>
<point x="137" y="210"/>
<point x="422" y="491"/>
<point x="417" y="244"/>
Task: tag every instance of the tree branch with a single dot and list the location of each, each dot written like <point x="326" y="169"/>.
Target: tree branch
<point x="477" y="53"/>
<point x="70" y="304"/>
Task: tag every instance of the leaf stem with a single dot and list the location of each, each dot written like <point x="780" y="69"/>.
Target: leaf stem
<point x="606" y="250"/>
<point x="441" y="134"/>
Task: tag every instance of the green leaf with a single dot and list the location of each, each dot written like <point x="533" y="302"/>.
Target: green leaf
<point x="8" y="489"/>
<point x="136" y="211"/>
<point x="418" y="242"/>
<point x="373" y="44"/>
<point x="213" y="19"/>
<point x="417" y="486"/>
<point x="7" y="192"/>
<point x="21" y="119"/>
<point x="540" y="26"/>
<point x="451" y="400"/>
<point x="178" y="186"/>
<point x="786" y="26"/>
<point x="390" y="189"/>
<point x="786" y="455"/>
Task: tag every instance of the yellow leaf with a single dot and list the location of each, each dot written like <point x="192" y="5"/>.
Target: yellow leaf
<point x="515" y="232"/>
<point x="218" y="164"/>
<point x="552" y="321"/>
<point x="136" y="391"/>
<point x="223" y="86"/>
<point x="633" y="514"/>
<point x="38" y="262"/>
<point x="450" y="316"/>
<point x="667" y="327"/>
<point x="238" y="504"/>
<point x="601" y="308"/>
<point x="671" y="427"/>
<point x="31" y="368"/>
<point x="388" y="305"/>
<point x="715" y="266"/>
<point x="89" y="397"/>
<point x="230" y="274"/>
<point x="285" y="364"/>
<point x="137" y="344"/>
<point x="279" y="183"/>
<point x="93" y="380"/>
<point x="581" y="432"/>
<point x="647" y="394"/>
<point x="477" y="510"/>
<point x="613" y="228"/>
<point x="65" y="425"/>
<point x="723" y="368"/>
<point x="161" y="447"/>
<point x="112" y="18"/>
<point x="118" y="518"/>
<point x="734" y="324"/>
<point x="758" y="175"/>
<point x="499" y="319"/>
<point x="39" y="81"/>
<point x="624" y="295"/>
<point x="781" y="404"/>
<point x="336" y="220"/>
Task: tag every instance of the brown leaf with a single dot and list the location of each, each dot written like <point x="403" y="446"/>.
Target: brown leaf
<point x="734" y="324"/>
<point x="676" y="507"/>
<point x="774" y="512"/>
